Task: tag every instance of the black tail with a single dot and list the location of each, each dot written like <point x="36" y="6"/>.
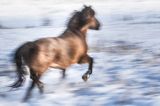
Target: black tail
<point x="19" y="59"/>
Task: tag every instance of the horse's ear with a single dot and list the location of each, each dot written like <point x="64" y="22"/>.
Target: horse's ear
<point x="84" y="6"/>
<point x="75" y="11"/>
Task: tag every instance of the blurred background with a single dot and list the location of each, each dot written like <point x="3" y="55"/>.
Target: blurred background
<point x="126" y="52"/>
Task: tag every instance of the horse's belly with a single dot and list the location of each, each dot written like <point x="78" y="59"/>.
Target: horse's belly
<point x="55" y="65"/>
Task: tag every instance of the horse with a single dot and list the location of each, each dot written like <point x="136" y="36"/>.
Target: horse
<point x="60" y="52"/>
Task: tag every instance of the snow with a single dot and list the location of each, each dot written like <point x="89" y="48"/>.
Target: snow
<point x="126" y="52"/>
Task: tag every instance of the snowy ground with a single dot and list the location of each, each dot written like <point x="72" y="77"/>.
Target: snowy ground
<point x="126" y="52"/>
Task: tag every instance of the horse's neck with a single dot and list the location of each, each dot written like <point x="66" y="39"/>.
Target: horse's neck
<point x="81" y="34"/>
<point x="84" y="29"/>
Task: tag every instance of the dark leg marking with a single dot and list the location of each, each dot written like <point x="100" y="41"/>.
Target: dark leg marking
<point x="87" y="59"/>
<point x="35" y="81"/>
<point x="63" y="73"/>
<point x="28" y="93"/>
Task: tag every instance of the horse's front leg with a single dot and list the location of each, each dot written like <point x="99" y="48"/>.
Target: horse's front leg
<point x="87" y="59"/>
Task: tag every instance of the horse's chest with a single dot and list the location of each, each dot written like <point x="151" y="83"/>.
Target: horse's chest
<point x="82" y="47"/>
<point x="78" y="51"/>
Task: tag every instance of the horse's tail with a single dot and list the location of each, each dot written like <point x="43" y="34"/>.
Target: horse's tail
<point x="19" y="58"/>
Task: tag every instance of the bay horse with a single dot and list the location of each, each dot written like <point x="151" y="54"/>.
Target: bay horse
<point x="57" y="52"/>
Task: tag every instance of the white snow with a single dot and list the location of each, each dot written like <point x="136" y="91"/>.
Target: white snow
<point x="126" y="52"/>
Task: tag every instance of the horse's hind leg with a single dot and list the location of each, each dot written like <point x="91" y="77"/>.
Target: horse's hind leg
<point x="40" y="85"/>
<point x="87" y="59"/>
<point x="28" y="93"/>
<point x="35" y="79"/>
<point x="63" y="73"/>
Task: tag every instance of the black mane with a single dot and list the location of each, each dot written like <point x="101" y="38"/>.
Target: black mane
<point x="75" y="22"/>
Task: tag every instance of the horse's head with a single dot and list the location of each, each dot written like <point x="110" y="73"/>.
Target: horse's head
<point x="89" y="19"/>
<point x="84" y="19"/>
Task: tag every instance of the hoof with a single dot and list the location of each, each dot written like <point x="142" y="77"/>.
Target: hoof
<point x="85" y="77"/>
<point x="24" y="100"/>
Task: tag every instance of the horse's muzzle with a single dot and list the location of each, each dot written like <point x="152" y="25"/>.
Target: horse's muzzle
<point x="98" y="27"/>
